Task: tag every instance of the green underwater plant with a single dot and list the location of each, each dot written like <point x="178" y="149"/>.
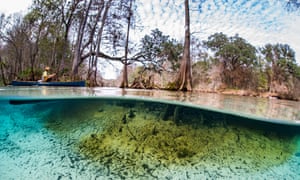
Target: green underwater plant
<point x="163" y="143"/>
<point x="144" y="138"/>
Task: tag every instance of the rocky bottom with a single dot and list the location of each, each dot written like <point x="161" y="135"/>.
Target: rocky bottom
<point x="138" y="141"/>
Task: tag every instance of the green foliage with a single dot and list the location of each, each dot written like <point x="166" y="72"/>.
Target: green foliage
<point x="26" y="74"/>
<point x="216" y="41"/>
<point x="204" y="65"/>
<point x="171" y="86"/>
<point x="280" y="58"/>
<point x="157" y="49"/>
<point x="32" y="16"/>
<point x="200" y="71"/>
<point x="138" y="71"/>
<point x="297" y="71"/>
<point x="172" y="51"/>
<point x="237" y="56"/>
<point x="262" y="81"/>
<point x="53" y="49"/>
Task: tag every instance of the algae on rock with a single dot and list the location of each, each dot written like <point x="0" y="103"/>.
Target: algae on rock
<point x="162" y="143"/>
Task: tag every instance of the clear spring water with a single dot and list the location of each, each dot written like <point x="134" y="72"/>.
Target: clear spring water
<point x="73" y="133"/>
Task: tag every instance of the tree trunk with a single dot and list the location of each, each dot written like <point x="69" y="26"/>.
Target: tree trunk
<point x="66" y="22"/>
<point x="33" y="54"/>
<point x="93" y="78"/>
<point x="124" y="83"/>
<point x="80" y="34"/>
<point x="185" y="76"/>
<point x="2" y="72"/>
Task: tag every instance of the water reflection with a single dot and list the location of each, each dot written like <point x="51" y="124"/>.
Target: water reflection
<point x="252" y="106"/>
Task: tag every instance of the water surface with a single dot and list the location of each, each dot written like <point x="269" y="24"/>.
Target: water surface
<point x="249" y="106"/>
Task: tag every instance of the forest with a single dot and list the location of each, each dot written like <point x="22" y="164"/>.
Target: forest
<point x="72" y="36"/>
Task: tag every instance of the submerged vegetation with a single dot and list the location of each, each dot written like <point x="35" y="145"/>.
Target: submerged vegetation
<point x="143" y="139"/>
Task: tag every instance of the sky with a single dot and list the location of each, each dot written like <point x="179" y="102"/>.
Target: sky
<point x="13" y="6"/>
<point x="258" y="21"/>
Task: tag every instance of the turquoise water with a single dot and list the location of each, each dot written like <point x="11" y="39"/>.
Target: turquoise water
<point x="80" y="134"/>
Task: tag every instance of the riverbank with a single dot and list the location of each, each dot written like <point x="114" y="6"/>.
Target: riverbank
<point x="281" y="92"/>
<point x="270" y="95"/>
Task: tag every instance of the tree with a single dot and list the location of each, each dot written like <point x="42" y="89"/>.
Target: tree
<point x="23" y="40"/>
<point x="14" y="43"/>
<point x="43" y="34"/>
<point x="158" y="54"/>
<point x="185" y="75"/>
<point x="281" y="62"/>
<point x="151" y="50"/>
<point x="79" y="46"/>
<point x="158" y="48"/>
<point x="97" y="24"/>
<point x="124" y="83"/>
<point x="238" y="58"/>
<point x="2" y="67"/>
<point x="107" y="32"/>
<point x="63" y="14"/>
<point x="172" y="52"/>
<point x="36" y="28"/>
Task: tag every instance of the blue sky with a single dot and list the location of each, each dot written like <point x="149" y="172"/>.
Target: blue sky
<point x="258" y="21"/>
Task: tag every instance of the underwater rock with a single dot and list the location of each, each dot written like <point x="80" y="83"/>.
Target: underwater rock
<point x="93" y="136"/>
<point x="100" y="110"/>
<point x="154" y="131"/>
<point x="131" y="114"/>
<point x="141" y="147"/>
<point x="184" y="153"/>
<point x="124" y="120"/>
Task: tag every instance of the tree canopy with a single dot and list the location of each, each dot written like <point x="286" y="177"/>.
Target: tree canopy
<point x="158" y="48"/>
<point x="238" y="58"/>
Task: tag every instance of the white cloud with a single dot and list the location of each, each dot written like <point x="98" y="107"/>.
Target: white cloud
<point x="258" y="21"/>
<point x="13" y="6"/>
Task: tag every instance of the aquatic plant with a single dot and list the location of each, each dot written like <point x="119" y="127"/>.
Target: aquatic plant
<point x="165" y="137"/>
<point x="131" y="114"/>
<point x="124" y="119"/>
<point x="162" y="144"/>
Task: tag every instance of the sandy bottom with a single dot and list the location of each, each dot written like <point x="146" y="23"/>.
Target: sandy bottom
<point x="133" y="140"/>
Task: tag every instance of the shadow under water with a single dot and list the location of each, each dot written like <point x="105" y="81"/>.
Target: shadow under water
<point x="133" y="138"/>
